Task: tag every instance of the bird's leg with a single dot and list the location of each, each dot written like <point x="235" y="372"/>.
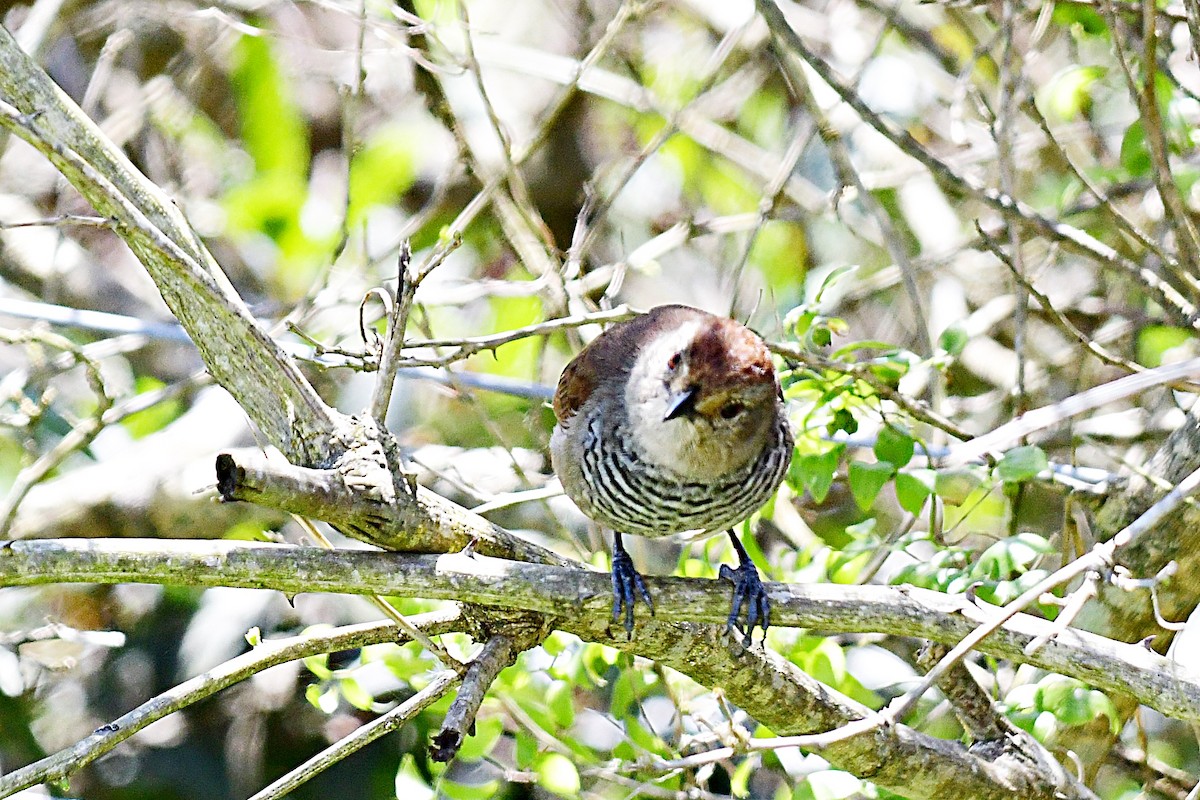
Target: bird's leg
<point x="748" y="589"/>
<point x="627" y="585"/>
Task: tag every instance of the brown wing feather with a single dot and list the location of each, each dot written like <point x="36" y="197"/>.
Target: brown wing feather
<point x="610" y="353"/>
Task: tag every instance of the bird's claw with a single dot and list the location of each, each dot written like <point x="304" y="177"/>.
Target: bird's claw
<point x="627" y="586"/>
<point x="748" y="590"/>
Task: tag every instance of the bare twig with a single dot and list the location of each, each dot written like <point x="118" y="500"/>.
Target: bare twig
<point x="1049" y="416"/>
<point x="498" y="652"/>
<point x="268" y="654"/>
<point x="82" y="433"/>
<point x="441" y="683"/>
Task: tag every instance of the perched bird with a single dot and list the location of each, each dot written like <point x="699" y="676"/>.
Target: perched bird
<point x="669" y="423"/>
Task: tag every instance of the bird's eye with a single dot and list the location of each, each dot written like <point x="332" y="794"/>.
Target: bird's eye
<point x="674" y="361"/>
<point x="731" y="410"/>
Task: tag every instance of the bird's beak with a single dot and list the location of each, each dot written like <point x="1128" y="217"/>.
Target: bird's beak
<point x="681" y="402"/>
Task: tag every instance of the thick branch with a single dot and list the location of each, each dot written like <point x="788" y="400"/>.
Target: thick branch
<point x="426" y="523"/>
<point x="771" y="689"/>
<point x="579" y="600"/>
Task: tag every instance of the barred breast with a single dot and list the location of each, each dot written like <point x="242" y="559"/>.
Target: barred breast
<point x="628" y="492"/>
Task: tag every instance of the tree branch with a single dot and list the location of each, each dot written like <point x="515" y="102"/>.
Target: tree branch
<point x="240" y="355"/>
<point x="65" y="762"/>
<point x="579" y="601"/>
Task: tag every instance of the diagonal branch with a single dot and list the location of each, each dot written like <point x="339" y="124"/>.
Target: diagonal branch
<point x="238" y="352"/>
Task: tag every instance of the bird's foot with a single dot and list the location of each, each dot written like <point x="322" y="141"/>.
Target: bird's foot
<point x="748" y="591"/>
<point x="627" y="586"/>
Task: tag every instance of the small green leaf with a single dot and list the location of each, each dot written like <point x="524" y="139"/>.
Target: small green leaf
<point x="1155" y="340"/>
<point x="739" y="783"/>
<point x="827" y="663"/>
<point x="322" y="696"/>
<point x="1022" y="464"/>
<point x="953" y="339"/>
<point x="560" y="699"/>
<point x="488" y="731"/>
<point x="866" y="344"/>
<point x="319" y="665"/>
<point x="469" y="791"/>
<point x="409" y="783"/>
<point x="831" y="280"/>
<point x="914" y="487"/>
<point x="1135" y="154"/>
<point x="955" y="485"/>
<point x="1012" y="556"/>
<point x="842" y="420"/>
<point x="1045" y="727"/>
<point x="1068" y="94"/>
<point x="894" y="445"/>
<point x="833" y="784"/>
<point x="557" y="774"/>
<point x="815" y="472"/>
<point x="355" y="695"/>
<point x="888" y="371"/>
<point x="527" y="749"/>
<point x="867" y="479"/>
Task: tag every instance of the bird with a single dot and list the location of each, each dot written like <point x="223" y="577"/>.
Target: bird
<point x="673" y="422"/>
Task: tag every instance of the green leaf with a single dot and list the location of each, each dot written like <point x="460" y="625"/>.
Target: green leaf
<point x="622" y="695"/>
<point x="894" y="445"/>
<point x="953" y="339"/>
<point x="866" y="344"/>
<point x="322" y="696"/>
<point x="1068" y="94"/>
<point x="842" y="420"/>
<point x="1135" y="153"/>
<point x="1082" y="18"/>
<point x="914" y="487"/>
<point x="955" y="485"/>
<point x="1155" y="340"/>
<point x="867" y="479"/>
<point x="409" y="783"/>
<point x="561" y="701"/>
<point x="355" y="695"/>
<point x="557" y="774"/>
<point x="1012" y="556"/>
<point x="889" y="370"/>
<point x="834" y="784"/>
<point x="1045" y="727"/>
<point x="381" y="171"/>
<point x="468" y="791"/>
<point x="827" y="663"/>
<point x="156" y="417"/>
<point x="815" y="472"/>
<point x="832" y="279"/>
<point x="643" y="737"/>
<point x="527" y="749"/>
<point x="1022" y="464"/>
<point x="739" y="782"/>
<point x="271" y="126"/>
<point x="488" y="731"/>
<point x="319" y="665"/>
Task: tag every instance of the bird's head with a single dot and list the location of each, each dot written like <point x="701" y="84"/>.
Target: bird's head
<point x="703" y="395"/>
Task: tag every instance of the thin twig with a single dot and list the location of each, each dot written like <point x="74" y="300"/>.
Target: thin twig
<point x="442" y="682"/>
<point x="64" y="763"/>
